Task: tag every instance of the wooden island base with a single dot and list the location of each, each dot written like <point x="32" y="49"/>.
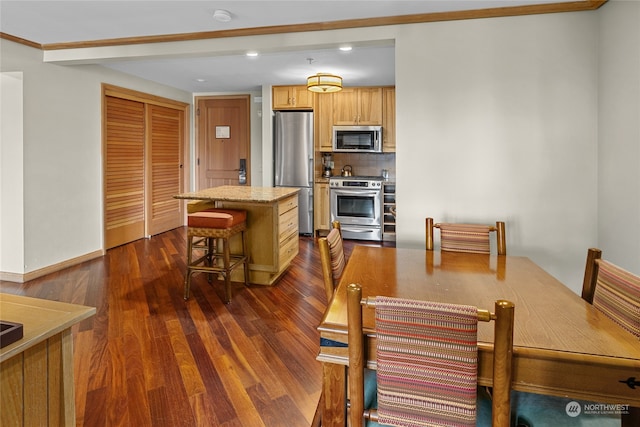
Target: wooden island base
<point x="272" y="226"/>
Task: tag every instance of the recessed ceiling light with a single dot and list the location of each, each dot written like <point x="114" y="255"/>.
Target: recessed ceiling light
<point x="221" y="15"/>
<point x="345" y="48"/>
<point x="201" y="80"/>
<point x="252" y="54"/>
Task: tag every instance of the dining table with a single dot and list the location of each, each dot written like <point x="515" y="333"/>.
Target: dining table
<point x="563" y="346"/>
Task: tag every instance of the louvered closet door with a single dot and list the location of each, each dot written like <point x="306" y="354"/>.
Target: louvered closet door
<point x="166" y="130"/>
<point x="124" y="171"/>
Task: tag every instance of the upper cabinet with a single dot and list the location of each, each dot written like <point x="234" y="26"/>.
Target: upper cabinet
<point x="389" y="120"/>
<point x="358" y="106"/>
<point x="323" y="121"/>
<point x="292" y="98"/>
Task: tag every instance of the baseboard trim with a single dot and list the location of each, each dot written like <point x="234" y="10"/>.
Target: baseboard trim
<point x="22" y="278"/>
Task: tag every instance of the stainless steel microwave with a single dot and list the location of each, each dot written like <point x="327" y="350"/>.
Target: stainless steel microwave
<point x="365" y="139"/>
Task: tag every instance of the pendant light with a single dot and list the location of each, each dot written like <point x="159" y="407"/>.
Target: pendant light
<point x="324" y="83"/>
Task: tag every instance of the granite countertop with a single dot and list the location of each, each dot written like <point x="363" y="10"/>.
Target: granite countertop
<point x="240" y="193"/>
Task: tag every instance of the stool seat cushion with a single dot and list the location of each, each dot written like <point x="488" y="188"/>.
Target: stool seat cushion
<point x="216" y="218"/>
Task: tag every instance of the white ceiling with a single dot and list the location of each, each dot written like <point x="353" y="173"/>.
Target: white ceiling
<point x="53" y="21"/>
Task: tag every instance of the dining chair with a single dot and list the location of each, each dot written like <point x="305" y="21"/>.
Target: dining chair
<point x="332" y="261"/>
<point x="459" y="237"/>
<point x="613" y="291"/>
<point x="332" y="258"/>
<point x="426" y="361"/>
<point x="616" y="293"/>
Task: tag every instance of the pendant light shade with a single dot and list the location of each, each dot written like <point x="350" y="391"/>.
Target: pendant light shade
<point x="324" y="83"/>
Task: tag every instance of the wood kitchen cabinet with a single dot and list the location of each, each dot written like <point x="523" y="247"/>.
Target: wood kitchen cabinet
<point x="323" y="121"/>
<point x="358" y="106"/>
<point x="292" y="98"/>
<point x="389" y="120"/>
<point x="321" y="210"/>
<point x="272" y="227"/>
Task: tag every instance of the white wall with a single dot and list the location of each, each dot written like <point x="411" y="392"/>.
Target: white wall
<point x="497" y="120"/>
<point x="62" y="153"/>
<point x="11" y="172"/>
<point x="619" y="134"/>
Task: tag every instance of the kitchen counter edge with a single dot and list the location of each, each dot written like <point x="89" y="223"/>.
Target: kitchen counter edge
<point x="239" y="193"/>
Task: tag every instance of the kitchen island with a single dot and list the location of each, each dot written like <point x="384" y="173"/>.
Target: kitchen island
<point x="272" y="225"/>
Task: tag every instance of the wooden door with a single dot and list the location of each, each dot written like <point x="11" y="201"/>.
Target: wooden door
<point x="223" y="140"/>
<point x="165" y="139"/>
<point x="124" y="128"/>
<point x="143" y="152"/>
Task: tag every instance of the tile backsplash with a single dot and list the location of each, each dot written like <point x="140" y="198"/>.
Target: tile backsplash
<point x="363" y="164"/>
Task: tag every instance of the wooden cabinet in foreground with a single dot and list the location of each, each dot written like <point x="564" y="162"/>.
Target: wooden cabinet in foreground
<point x="36" y="371"/>
<point x="292" y="98"/>
<point x="358" y="106"/>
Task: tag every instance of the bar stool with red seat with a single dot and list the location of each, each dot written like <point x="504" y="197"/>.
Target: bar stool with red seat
<point x="215" y="227"/>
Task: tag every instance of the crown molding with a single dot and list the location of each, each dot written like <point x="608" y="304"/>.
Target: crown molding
<point x="572" y="6"/>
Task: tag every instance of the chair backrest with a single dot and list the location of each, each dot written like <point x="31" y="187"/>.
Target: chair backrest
<point x="612" y="290"/>
<point x="332" y="258"/>
<point x="474" y="238"/>
<point x="426" y="360"/>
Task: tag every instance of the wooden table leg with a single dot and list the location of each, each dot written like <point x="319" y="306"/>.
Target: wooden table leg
<point x="334" y="388"/>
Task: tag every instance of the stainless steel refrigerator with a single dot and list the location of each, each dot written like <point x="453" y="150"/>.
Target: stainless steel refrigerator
<point x="293" y="151"/>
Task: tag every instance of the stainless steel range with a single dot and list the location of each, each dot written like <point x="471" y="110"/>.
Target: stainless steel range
<point x="356" y="201"/>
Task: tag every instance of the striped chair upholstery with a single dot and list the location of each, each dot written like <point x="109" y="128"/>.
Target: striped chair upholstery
<point x="465" y="238"/>
<point x="617" y="295"/>
<point x="427" y="358"/>
<point x="334" y="239"/>
<point x="332" y="258"/>
<point x="472" y="238"/>
<point x="426" y="361"/>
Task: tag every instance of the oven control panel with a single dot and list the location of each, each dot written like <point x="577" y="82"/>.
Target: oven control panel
<point x="355" y="183"/>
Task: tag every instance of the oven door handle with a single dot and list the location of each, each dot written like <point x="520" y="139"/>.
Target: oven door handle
<point x="357" y="230"/>
<point x="357" y="192"/>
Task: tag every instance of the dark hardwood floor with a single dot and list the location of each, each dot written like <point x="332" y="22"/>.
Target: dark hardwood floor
<point x="149" y="358"/>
